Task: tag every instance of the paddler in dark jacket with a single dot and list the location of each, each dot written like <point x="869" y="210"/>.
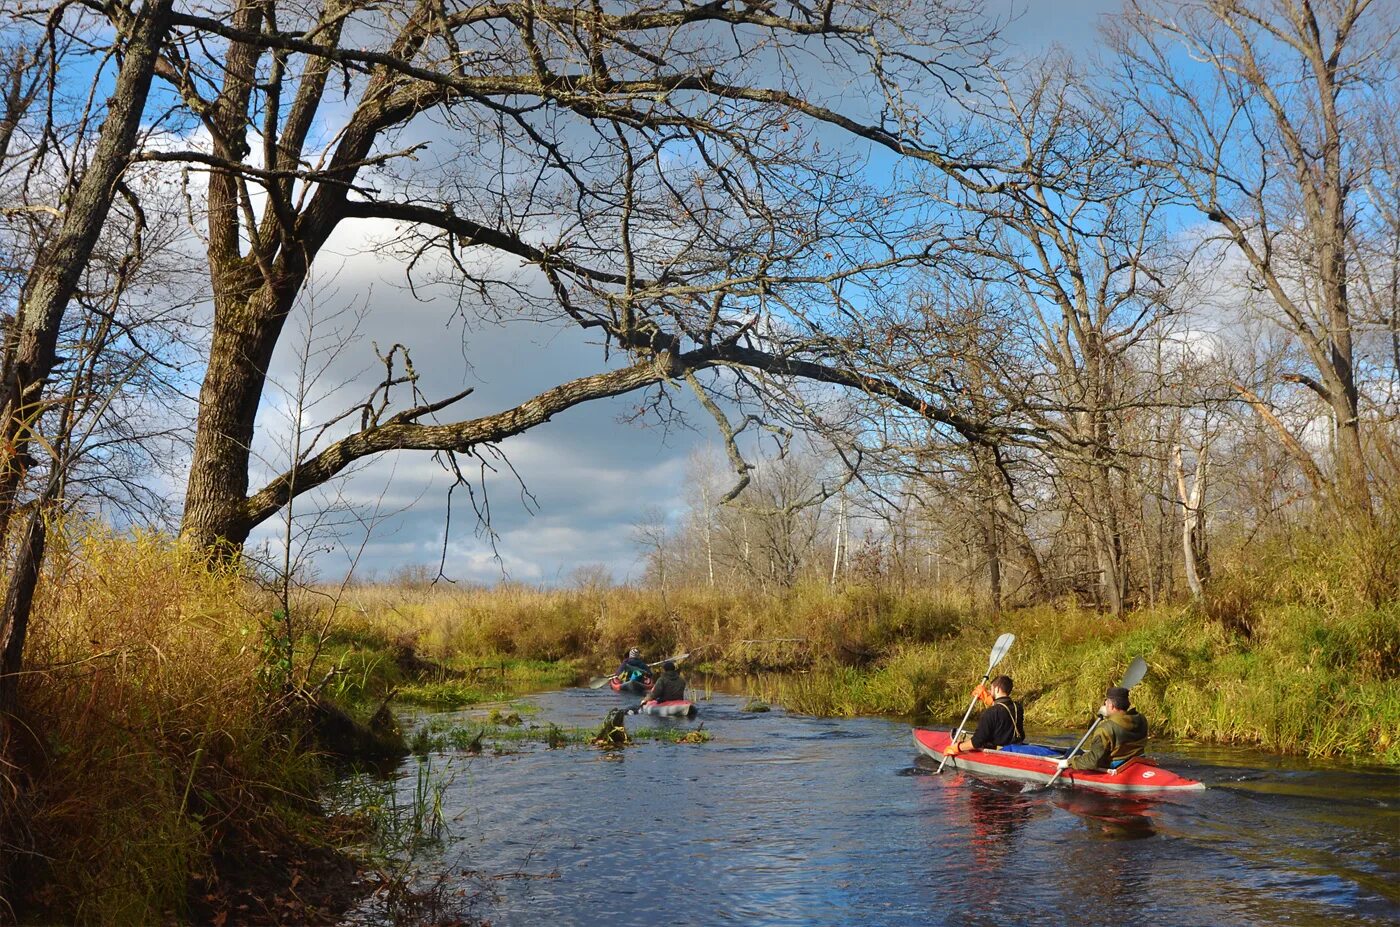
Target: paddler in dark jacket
<point x="1002" y="721"/>
<point x="669" y="687"/>
<point x="1121" y="734"/>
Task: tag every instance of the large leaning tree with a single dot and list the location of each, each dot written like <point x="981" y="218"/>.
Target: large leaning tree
<point x="65" y="171"/>
<point x="661" y="173"/>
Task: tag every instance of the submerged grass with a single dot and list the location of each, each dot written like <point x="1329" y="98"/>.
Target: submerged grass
<point x="438" y="737"/>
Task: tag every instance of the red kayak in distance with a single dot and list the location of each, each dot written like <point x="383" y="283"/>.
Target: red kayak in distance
<point x="633" y="686"/>
<point x="1137" y="775"/>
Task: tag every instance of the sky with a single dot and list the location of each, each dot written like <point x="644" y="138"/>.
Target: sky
<point x="592" y="476"/>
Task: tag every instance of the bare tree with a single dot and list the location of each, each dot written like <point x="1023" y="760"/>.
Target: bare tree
<point x="1259" y="121"/>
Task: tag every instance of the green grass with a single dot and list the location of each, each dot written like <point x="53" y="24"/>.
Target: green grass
<point x="1304" y="684"/>
<point x="361" y="676"/>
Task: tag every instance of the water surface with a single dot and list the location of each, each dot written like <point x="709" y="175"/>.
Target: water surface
<point x="787" y="819"/>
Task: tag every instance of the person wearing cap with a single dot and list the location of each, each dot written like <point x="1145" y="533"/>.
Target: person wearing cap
<point x="1002" y="722"/>
<point x="634" y="667"/>
<point x="669" y="687"/>
<point x="1122" y="734"/>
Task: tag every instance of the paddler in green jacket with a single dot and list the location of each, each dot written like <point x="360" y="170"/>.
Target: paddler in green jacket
<point x="1121" y="734"/>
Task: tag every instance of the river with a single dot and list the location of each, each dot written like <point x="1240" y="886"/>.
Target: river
<point x="789" y="819"/>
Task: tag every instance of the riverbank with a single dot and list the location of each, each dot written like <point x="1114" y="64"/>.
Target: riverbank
<point x="169" y="769"/>
<point x="169" y="775"/>
<point x="1295" y="649"/>
<point x="1303" y="682"/>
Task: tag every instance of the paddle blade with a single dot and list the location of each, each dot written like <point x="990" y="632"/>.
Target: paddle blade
<point x="597" y="682"/>
<point x="1136" y="670"/>
<point x="999" y="650"/>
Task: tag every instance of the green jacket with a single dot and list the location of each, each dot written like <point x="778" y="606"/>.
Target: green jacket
<point x="1117" y="737"/>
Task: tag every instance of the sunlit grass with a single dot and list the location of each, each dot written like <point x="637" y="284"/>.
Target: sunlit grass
<point x="159" y="739"/>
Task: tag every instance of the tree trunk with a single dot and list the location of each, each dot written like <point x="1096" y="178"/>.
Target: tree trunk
<point x="31" y="354"/>
<point x="54" y="278"/>
<point x="1191" y="518"/>
<point x="1107" y="545"/>
<point x="991" y="549"/>
<point x="239" y="354"/>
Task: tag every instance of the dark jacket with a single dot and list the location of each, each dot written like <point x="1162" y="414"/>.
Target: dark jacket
<point x="670" y="687"/>
<point x="632" y="668"/>
<point x="1118" y="737"/>
<point x="1002" y="723"/>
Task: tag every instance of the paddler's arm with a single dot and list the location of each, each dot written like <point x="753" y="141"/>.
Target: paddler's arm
<point x="1096" y="751"/>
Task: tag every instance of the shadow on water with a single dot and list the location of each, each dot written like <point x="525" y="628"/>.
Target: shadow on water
<point x="787" y="819"/>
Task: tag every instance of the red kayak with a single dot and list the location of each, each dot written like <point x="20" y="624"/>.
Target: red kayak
<point x="632" y="686"/>
<point x="1138" y="774"/>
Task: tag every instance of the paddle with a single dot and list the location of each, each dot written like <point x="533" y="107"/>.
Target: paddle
<point x="1136" y="670"/>
<point x="597" y="682"/>
<point x="999" y="650"/>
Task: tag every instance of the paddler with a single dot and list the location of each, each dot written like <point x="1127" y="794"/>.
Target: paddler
<point x="669" y="687"/>
<point x="1122" y="734"/>
<point x="1002" y="721"/>
<point x="634" y="667"/>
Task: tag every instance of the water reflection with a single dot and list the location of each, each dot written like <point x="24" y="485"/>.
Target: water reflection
<point x="998" y="813"/>
<point x="1113" y="816"/>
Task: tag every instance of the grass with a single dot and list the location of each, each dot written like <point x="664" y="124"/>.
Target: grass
<point x="1285" y="691"/>
<point x="1295" y="648"/>
<point x="159" y="748"/>
<point x="396" y="827"/>
<point x="154" y="744"/>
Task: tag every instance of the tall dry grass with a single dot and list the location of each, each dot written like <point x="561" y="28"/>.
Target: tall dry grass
<point x="733" y="629"/>
<point x="153" y="744"/>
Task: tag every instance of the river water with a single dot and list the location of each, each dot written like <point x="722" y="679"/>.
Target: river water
<point x="788" y="819"/>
